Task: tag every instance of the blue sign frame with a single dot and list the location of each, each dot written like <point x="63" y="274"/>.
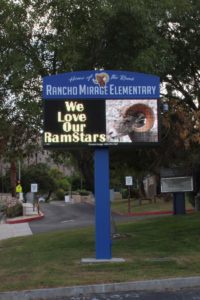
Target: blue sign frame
<point x="101" y="85"/>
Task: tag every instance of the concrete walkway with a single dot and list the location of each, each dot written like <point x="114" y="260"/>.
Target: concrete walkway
<point x="82" y="292"/>
<point x="14" y="230"/>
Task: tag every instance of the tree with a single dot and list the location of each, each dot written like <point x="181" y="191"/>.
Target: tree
<point x="170" y="49"/>
<point x="180" y="27"/>
<point x="19" y="132"/>
<point x="41" y="38"/>
<point x="42" y="175"/>
<point x="20" y="108"/>
<point x="37" y="38"/>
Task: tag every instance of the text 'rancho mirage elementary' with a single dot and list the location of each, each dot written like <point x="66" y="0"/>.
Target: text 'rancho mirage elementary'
<point x="101" y="84"/>
<point x="84" y="90"/>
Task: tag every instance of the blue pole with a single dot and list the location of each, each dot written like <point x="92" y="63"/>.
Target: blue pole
<point x="102" y="207"/>
<point x="179" y="203"/>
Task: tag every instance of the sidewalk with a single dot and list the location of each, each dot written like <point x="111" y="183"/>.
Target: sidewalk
<point x="16" y="227"/>
<point x="82" y="292"/>
<point x="15" y="230"/>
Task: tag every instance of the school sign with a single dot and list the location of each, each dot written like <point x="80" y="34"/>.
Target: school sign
<point x="100" y="108"/>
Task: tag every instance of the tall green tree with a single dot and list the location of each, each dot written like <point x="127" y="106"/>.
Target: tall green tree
<point x="41" y="38"/>
<point x="167" y="44"/>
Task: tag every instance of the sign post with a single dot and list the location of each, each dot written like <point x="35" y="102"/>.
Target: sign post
<point x="34" y="190"/>
<point x="102" y="207"/>
<point x="177" y="181"/>
<point x="129" y="183"/>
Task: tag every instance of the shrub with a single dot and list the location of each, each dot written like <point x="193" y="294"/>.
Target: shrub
<point x="64" y="184"/>
<point x="83" y="192"/>
<point x="134" y="193"/>
<point x="40" y="174"/>
<point x="76" y="182"/>
<point x="75" y="193"/>
<point x="60" y="194"/>
<point x="2" y="207"/>
<point x="14" y="211"/>
<point x="124" y="193"/>
<point x="190" y="196"/>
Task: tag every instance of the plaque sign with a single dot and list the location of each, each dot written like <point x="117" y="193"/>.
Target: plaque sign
<point x="177" y="184"/>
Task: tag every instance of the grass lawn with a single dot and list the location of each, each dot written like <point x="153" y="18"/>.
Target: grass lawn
<point x="121" y="206"/>
<point x="153" y="248"/>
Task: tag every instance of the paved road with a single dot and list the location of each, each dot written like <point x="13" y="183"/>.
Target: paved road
<point x="188" y="294"/>
<point x="60" y="215"/>
<point x="185" y="294"/>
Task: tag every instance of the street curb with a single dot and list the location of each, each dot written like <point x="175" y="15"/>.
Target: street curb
<point x="145" y="285"/>
<point x="25" y="220"/>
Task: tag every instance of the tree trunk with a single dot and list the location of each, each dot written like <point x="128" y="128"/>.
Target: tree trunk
<point x="13" y="177"/>
<point x="48" y="196"/>
<point x="85" y="165"/>
<point x="88" y="174"/>
<point x="197" y="202"/>
<point x="141" y="188"/>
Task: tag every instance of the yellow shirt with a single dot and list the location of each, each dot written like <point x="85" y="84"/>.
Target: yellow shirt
<point x="19" y="188"/>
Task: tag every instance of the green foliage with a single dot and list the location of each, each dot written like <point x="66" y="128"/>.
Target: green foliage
<point x="60" y="194"/>
<point x="190" y="196"/>
<point x="83" y="192"/>
<point x="5" y="186"/>
<point x="14" y="211"/>
<point x="124" y="193"/>
<point x="146" y="245"/>
<point x="158" y="37"/>
<point x="61" y="181"/>
<point x="134" y="193"/>
<point x="48" y="180"/>
<point x="64" y="184"/>
<point x="39" y="174"/>
<point x="2" y="207"/>
<point x="55" y="173"/>
<point x="75" y="182"/>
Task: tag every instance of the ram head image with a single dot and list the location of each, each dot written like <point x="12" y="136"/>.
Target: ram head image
<point x="137" y="118"/>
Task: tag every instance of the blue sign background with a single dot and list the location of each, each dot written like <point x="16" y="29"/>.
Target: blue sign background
<point x="101" y="85"/>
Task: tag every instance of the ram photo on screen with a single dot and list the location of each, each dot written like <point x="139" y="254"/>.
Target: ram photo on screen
<point x="130" y="121"/>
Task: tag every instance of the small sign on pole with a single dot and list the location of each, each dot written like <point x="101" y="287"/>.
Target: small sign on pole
<point x="129" y="180"/>
<point x="34" y="190"/>
<point x="129" y="183"/>
<point x="34" y="187"/>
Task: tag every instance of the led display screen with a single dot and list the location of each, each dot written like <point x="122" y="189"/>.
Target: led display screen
<point x="100" y="122"/>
